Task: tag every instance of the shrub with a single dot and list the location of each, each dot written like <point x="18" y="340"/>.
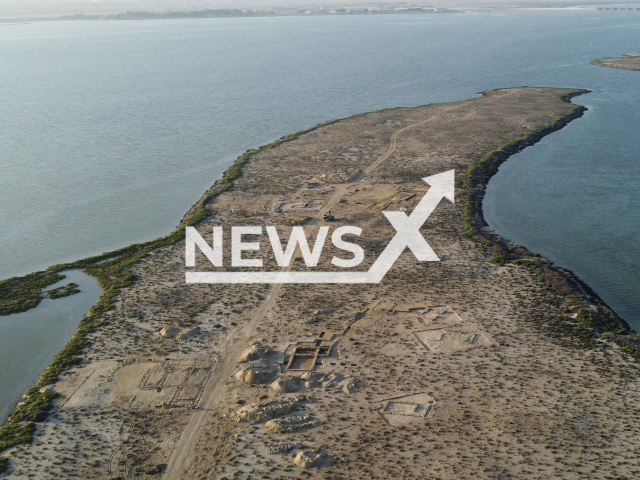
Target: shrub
<point x="12" y="434"/>
<point x="19" y="294"/>
<point x="498" y="258"/>
<point x="586" y="317"/>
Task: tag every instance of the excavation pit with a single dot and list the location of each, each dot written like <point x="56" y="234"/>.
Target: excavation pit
<point x="449" y="341"/>
<point x="183" y="382"/>
<point x="305" y="355"/>
<point x="406" y="409"/>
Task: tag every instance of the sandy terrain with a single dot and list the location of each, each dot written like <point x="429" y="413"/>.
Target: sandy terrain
<point x="452" y="369"/>
<point x="631" y="61"/>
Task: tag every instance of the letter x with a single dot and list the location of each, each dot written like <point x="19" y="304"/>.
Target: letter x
<point x="408" y="235"/>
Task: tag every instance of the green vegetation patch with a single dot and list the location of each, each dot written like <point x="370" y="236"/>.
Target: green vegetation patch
<point x="4" y="465"/>
<point x="539" y="271"/>
<point x="570" y="334"/>
<point x="34" y="408"/>
<point x="628" y="343"/>
<point x="64" y="291"/>
<point x="587" y="318"/>
<point x="498" y="258"/>
<point x="12" y="434"/>
<point x="19" y="294"/>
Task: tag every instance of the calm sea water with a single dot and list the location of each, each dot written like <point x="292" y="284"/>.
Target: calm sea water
<point x="110" y="131"/>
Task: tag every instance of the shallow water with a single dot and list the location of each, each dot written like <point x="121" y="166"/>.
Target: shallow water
<point x="30" y="340"/>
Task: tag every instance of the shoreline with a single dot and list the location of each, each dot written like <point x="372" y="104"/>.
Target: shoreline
<point x="23" y="339"/>
<point x="192" y="15"/>
<point x="219" y="14"/>
<point x="117" y="263"/>
<point x="630" y="62"/>
<point x="478" y="177"/>
<point x="37" y="395"/>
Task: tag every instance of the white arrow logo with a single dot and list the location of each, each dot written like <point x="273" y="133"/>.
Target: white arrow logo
<point x="407" y="235"/>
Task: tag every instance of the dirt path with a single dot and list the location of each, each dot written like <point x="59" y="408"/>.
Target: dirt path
<point x="182" y="452"/>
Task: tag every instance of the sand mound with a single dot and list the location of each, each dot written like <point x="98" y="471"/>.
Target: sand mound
<point x="291" y="424"/>
<point x="254" y="376"/>
<point x="313" y="459"/>
<point x="47" y="388"/>
<point x="171" y="331"/>
<point x="350" y="385"/>
<point x="331" y="381"/>
<point x="312" y="376"/>
<point x="167" y="332"/>
<point x="257" y="369"/>
<point x="312" y="379"/>
<point x="261" y="412"/>
<point x="255" y="351"/>
<point x="318" y="380"/>
<point x="188" y="333"/>
<point x="286" y="385"/>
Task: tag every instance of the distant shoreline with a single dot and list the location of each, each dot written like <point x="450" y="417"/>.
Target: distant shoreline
<point x="630" y="61"/>
<point x="233" y="13"/>
<point x="237" y="13"/>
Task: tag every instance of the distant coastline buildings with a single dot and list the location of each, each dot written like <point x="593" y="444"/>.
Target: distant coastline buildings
<point x="220" y="13"/>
